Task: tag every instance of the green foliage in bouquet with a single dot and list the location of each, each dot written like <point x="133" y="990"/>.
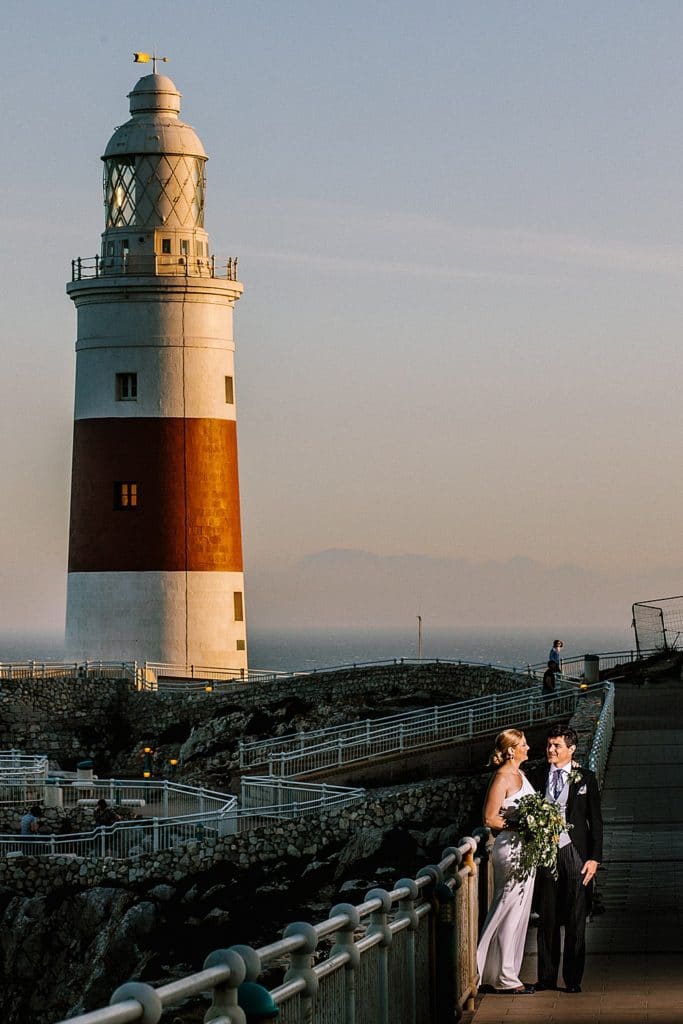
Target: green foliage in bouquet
<point x="538" y="824"/>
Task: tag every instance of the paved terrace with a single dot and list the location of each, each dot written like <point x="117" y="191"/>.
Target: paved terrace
<point x="634" y="967"/>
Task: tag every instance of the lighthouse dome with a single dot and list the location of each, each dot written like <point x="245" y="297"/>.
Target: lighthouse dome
<point x="154" y="126"/>
<point x="154" y="163"/>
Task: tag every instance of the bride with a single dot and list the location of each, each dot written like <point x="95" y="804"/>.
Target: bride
<point x="501" y="947"/>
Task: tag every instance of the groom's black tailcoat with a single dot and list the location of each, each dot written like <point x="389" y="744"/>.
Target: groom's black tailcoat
<point x="565" y="901"/>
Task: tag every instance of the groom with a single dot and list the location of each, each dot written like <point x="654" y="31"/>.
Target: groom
<point x="564" y="901"/>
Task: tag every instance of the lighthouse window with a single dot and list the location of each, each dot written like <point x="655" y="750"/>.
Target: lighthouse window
<point x="240" y="646"/>
<point x="126" y="387"/>
<point x="239" y="606"/>
<point x="185" y="246"/>
<point x="166" y="246"/>
<point x="229" y="391"/>
<point x="125" y="494"/>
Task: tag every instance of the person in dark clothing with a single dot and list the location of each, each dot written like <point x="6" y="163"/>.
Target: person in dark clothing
<point x="565" y="900"/>
<point x="104" y="814"/>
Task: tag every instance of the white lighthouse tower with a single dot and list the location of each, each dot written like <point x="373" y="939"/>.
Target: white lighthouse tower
<point x="155" y="552"/>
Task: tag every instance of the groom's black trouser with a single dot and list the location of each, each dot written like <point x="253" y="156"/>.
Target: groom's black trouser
<point x="562" y="901"/>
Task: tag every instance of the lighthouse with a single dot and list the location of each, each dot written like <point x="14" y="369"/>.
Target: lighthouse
<point x="155" y="551"/>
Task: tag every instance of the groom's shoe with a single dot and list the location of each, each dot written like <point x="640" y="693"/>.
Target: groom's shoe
<point x="541" y="986"/>
<point x="573" y="988"/>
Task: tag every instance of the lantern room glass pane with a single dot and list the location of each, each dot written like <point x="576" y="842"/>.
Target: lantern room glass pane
<point x="154" y="190"/>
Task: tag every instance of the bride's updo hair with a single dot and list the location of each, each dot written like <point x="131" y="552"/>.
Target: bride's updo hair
<point x="506" y="741"/>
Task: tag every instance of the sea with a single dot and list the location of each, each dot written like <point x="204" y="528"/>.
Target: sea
<point x="303" y="650"/>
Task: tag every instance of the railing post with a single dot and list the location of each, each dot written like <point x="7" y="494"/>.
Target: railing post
<point x="149" y="1001"/>
<point x="224" y="1004"/>
<point x="378" y="925"/>
<point x="103" y="846"/>
<point x="155" y="834"/>
<point x="301" y="966"/>
<point x="471" y="894"/>
<point x="164" y="799"/>
<point x="339" y="751"/>
<point x="400" y="737"/>
<point x="344" y="944"/>
<point x="406" y="911"/>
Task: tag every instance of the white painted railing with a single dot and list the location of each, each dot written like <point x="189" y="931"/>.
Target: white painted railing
<point x="22" y="777"/>
<point x="604" y="733"/>
<point x="169" y="815"/>
<point x="32" y="669"/>
<point x="386" y="954"/>
<point x="153" y="797"/>
<point x="334" y="746"/>
<point x="575" y="665"/>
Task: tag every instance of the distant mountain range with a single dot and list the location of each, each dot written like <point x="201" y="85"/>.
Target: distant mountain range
<point x="355" y="589"/>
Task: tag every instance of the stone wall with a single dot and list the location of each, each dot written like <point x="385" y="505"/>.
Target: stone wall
<point x="108" y="721"/>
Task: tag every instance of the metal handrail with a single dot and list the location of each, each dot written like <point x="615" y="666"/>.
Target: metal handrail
<point x="371" y="738"/>
<point x="413" y="906"/>
<point x="35" y="669"/>
<point x="204" y="811"/>
<point x="152" y="265"/>
<point x="609" y="659"/>
<point x="604" y="733"/>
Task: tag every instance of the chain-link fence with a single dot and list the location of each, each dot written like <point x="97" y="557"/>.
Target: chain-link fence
<point x="658" y="624"/>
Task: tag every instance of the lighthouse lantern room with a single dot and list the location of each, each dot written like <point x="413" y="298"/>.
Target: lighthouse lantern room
<point x="155" y="552"/>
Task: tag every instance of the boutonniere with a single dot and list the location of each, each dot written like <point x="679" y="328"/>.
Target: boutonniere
<point x="575" y="776"/>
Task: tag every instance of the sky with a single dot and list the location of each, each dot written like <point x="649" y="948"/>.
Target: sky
<point x="459" y="230"/>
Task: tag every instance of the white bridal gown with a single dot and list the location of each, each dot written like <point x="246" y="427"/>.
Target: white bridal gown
<point x="501" y="947"/>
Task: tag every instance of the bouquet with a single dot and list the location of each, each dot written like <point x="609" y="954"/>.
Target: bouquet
<point x="539" y="824"/>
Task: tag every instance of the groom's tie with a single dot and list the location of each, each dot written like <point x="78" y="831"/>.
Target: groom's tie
<point x="556" y="783"/>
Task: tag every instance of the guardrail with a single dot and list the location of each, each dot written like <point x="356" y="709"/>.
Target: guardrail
<point x="423" y="926"/>
<point x="335" y="746"/>
<point x="33" y="669"/>
<point x="157" y="797"/>
<point x="149" y="675"/>
<point x="575" y="665"/>
<point x="147" y="265"/>
<point x="22" y="777"/>
<point x="604" y="733"/>
<point x="170" y="814"/>
<point x="165" y="676"/>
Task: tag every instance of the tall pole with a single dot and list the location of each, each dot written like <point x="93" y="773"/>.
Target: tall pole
<point x="419" y="638"/>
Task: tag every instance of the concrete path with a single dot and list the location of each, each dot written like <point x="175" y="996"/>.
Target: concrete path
<point x="634" y="969"/>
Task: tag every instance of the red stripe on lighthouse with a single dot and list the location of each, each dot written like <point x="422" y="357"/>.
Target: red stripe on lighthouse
<point x="188" y="512"/>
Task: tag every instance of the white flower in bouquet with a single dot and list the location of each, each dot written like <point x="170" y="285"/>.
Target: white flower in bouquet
<point x="539" y="824"/>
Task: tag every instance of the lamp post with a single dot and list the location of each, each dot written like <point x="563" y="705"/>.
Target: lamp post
<point x="147" y="762"/>
<point x="419" y="638"/>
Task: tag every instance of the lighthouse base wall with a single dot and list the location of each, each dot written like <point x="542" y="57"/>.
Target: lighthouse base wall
<point x="185" y="618"/>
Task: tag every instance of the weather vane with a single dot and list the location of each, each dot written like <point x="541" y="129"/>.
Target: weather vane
<point x="145" y="58"/>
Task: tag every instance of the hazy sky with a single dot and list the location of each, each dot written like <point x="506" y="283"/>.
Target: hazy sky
<point x="459" y="231"/>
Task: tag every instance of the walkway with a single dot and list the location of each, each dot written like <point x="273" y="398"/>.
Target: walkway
<point x="633" y="971"/>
